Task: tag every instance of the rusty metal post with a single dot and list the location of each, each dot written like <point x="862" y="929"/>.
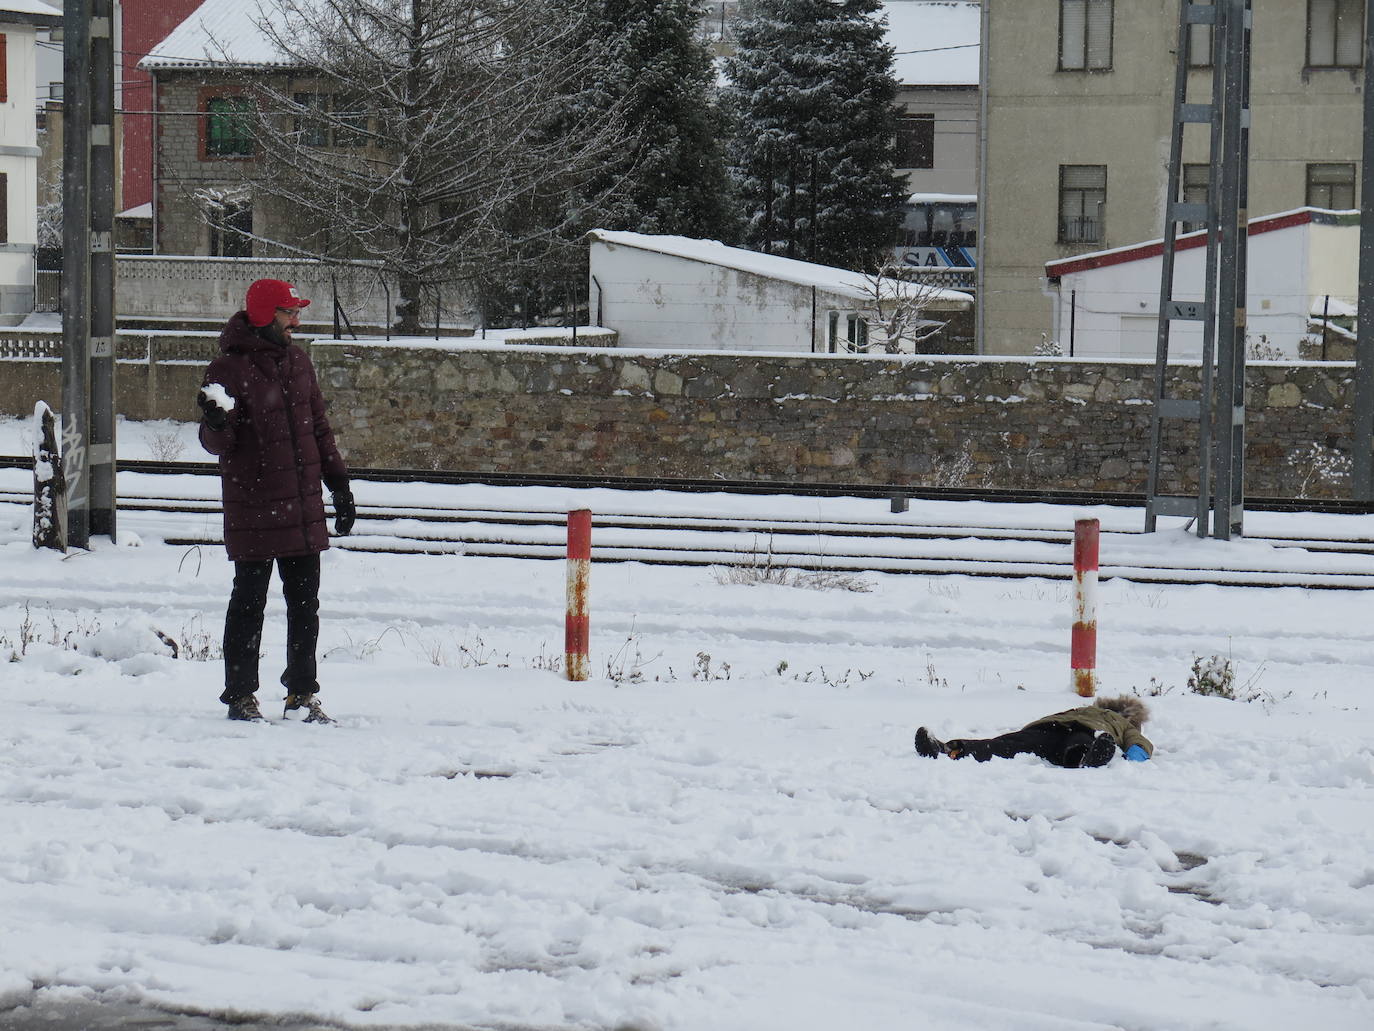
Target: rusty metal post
<point x="1083" y="646"/>
<point x="578" y="629"/>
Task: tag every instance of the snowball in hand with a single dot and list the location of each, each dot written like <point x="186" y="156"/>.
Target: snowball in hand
<point x="216" y="394"/>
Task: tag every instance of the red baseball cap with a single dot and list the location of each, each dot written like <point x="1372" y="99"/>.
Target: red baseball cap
<point x="267" y="295"/>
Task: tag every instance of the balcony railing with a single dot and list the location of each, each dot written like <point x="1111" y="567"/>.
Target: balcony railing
<point x="1081" y="229"/>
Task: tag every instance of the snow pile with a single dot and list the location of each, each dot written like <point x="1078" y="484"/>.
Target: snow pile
<point x="726" y="828"/>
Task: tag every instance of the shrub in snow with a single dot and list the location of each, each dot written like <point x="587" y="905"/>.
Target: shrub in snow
<point x="1212" y="677"/>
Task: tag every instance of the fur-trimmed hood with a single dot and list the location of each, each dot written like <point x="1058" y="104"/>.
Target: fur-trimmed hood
<point x="1129" y="706"/>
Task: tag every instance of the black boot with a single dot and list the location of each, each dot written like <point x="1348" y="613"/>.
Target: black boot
<point x="1100" y="752"/>
<point x="308" y="702"/>
<point x="245" y="707"/>
<point x="928" y="746"/>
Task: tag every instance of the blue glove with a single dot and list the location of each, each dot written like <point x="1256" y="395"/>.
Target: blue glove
<point x="1136" y="754"/>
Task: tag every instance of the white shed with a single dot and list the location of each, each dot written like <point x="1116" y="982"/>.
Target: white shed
<point x="676" y="293"/>
<point x="1300" y="264"/>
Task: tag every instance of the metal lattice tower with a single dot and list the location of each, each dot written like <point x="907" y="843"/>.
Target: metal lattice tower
<point x="1219" y="411"/>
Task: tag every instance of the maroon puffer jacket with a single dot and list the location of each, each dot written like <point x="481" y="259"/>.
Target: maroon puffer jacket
<point x="275" y="449"/>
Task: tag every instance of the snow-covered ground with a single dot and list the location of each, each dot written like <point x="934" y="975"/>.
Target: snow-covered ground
<point x="727" y="828"/>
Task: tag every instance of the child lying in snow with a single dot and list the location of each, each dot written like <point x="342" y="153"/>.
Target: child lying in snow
<point x="1087" y="736"/>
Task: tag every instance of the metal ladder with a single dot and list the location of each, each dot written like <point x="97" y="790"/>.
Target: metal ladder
<point x="1219" y="409"/>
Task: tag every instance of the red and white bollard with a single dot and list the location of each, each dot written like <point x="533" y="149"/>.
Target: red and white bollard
<point x="578" y="631"/>
<point x="1083" y="648"/>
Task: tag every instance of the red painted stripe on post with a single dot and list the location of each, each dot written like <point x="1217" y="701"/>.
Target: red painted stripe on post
<point x="580" y="533"/>
<point x="1083" y="641"/>
<point x="1086" y="534"/>
<point x="577" y="625"/>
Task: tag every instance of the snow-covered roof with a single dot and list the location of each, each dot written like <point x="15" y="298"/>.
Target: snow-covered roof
<point x="30" y="12"/>
<point x="1198" y="238"/>
<point x="840" y="281"/>
<point x="936" y="41"/>
<point x="217" y="33"/>
<point x="137" y="211"/>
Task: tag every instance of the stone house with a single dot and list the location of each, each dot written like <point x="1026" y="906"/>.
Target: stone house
<point x="1078" y="99"/>
<point x="204" y="77"/>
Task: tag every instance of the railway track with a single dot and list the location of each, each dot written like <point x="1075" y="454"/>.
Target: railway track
<point x="926" y="540"/>
<point x="1336" y="506"/>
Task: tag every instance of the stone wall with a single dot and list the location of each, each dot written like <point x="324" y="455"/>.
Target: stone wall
<point x="1043" y="423"/>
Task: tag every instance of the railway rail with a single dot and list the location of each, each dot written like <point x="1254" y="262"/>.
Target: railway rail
<point x="915" y="543"/>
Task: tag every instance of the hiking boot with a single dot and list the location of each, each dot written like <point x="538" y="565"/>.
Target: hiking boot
<point x="1100" y="752"/>
<point x="308" y="702"/>
<point x="928" y="746"/>
<point x="246" y="708"/>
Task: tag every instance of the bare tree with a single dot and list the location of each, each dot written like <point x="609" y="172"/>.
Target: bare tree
<point x="435" y="139"/>
<point x="895" y="309"/>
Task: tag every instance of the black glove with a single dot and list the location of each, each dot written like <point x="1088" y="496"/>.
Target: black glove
<point x="215" y="416"/>
<point x="345" y="512"/>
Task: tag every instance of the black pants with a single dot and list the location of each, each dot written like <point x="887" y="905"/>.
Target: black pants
<point x="1050" y="741"/>
<point x="300" y="586"/>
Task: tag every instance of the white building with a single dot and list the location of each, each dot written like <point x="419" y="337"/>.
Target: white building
<point x="1300" y="264"/>
<point x="936" y="44"/>
<point x="675" y="293"/>
<point x="20" y="21"/>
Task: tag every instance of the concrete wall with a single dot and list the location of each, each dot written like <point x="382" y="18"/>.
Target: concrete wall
<point x="156" y="375"/>
<point x="1040" y="118"/>
<point x="171" y="286"/>
<point x="910" y="419"/>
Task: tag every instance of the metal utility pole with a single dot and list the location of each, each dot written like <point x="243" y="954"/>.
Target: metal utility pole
<point x="1219" y="411"/>
<point x="88" y="310"/>
<point x="1362" y="442"/>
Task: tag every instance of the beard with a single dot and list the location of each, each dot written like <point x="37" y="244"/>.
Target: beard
<point x="273" y="332"/>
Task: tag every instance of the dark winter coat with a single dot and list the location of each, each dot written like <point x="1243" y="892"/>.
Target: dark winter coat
<point x="1098" y="719"/>
<point x="275" y="449"/>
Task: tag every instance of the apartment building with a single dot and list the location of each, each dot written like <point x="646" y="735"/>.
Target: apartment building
<point x="1078" y="101"/>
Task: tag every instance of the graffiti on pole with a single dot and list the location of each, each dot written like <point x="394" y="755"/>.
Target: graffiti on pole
<point x="74" y="463"/>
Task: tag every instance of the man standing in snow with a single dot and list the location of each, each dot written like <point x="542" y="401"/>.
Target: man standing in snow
<point x="1086" y="736"/>
<point x="264" y="417"/>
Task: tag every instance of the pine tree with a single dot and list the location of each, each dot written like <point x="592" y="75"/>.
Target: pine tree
<point x="662" y="77"/>
<point x="657" y="81"/>
<point x="813" y="96"/>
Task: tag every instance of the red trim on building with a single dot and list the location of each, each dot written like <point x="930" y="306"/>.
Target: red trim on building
<point x="1068" y="266"/>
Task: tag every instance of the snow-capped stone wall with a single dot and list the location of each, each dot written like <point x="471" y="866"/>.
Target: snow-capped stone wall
<point x="1029" y="423"/>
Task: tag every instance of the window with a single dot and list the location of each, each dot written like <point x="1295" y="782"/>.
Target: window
<point x="1192" y="189"/>
<point x="1331" y="186"/>
<point x="311" y="126"/>
<point x="916" y="141"/>
<point x="4" y="207"/>
<point x="4" y="69"/>
<point x="228" y="127"/>
<point x="330" y="120"/>
<point x="1335" y="33"/>
<point x="229" y="234"/>
<point x="1082" y="203"/>
<point x="855" y="332"/>
<point x="1085" y="35"/>
<point x="350" y="115"/>
<point x="1200" y="41"/>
